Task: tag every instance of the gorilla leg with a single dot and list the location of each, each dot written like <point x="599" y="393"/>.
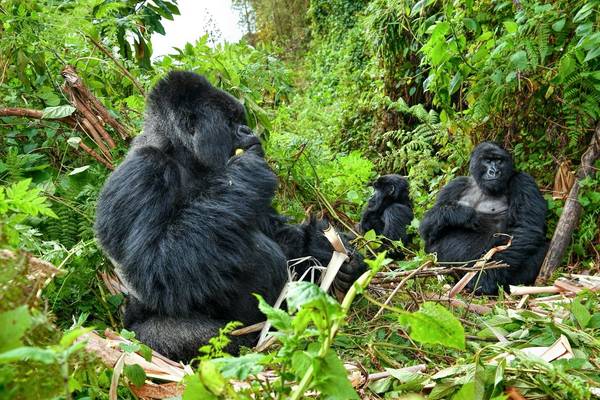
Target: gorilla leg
<point x="523" y="273"/>
<point x="178" y="338"/>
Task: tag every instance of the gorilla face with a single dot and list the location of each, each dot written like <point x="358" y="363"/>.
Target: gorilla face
<point x="492" y="167"/>
<point x="388" y="189"/>
<point x="189" y="112"/>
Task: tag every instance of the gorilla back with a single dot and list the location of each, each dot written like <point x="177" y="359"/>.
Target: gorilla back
<point x="469" y="211"/>
<point x="182" y="218"/>
<point x="389" y="211"/>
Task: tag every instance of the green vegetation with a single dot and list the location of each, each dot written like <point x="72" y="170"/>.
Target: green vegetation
<point x="340" y="91"/>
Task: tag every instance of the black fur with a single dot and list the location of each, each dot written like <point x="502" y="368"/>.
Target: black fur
<point x="190" y="224"/>
<point x="457" y="231"/>
<point x="389" y="210"/>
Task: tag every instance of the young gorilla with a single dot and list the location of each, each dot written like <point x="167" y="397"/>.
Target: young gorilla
<point x="494" y="199"/>
<point x="190" y="224"/>
<point x="389" y="210"/>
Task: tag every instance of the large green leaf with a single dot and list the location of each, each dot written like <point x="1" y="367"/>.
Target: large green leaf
<point x="436" y="325"/>
<point x="13" y="324"/>
<point x="331" y="378"/>
<point x="58" y="112"/>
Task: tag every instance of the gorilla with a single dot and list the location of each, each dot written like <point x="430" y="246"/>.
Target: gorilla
<point x="469" y="211"/>
<point x="187" y="218"/>
<point x="389" y="210"/>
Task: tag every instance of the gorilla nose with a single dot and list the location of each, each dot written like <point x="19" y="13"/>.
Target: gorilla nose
<point x="243" y="130"/>
<point x="493" y="173"/>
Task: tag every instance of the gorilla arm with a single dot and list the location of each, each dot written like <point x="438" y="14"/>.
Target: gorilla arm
<point x="181" y="255"/>
<point x="371" y="218"/>
<point x="447" y="212"/>
<point x="395" y="219"/>
<point x="527" y="225"/>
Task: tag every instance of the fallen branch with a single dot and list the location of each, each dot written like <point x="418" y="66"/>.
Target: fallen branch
<point x="526" y="290"/>
<point x="39" y="272"/>
<point x="464" y="281"/>
<point x="397" y="276"/>
<point x="569" y="218"/>
<point x="454" y="302"/>
<point x="400" y="285"/>
<point x="70" y="121"/>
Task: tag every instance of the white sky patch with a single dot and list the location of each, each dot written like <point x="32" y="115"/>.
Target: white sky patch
<point x="197" y="18"/>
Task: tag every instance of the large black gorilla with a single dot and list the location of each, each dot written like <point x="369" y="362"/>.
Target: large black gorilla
<point x="494" y="199"/>
<point x="189" y="222"/>
<point x="389" y="210"/>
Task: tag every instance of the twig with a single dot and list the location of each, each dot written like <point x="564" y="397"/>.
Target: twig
<point x="30" y="113"/>
<point x="97" y="156"/>
<point x="464" y="281"/>
<point x="248" y="329"/>
<point x="476" y="308"/>
<point x="527" y="290"/>
<point x="383" y="277"/>
<point x="397" y="288"/>
<point x="381" y="375"/>
<point x="118" y="64"/>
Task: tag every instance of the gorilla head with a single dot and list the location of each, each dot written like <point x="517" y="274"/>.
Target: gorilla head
<point x="187" y="112"/>
<point x="492" y="167"/>
<point x="389" y="211"/>
<point x="389" y="189"/>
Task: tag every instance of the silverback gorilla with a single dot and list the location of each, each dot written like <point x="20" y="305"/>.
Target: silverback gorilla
<point x="187" y="217"/>
<point x="389" y="210"/>
<point x="494" y="199"/>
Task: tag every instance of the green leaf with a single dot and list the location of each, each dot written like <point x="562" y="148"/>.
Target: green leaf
<point x="74" y="141"/>
<point x="240" y="367"/>
<point x="79" y="170"/>
<point x="566" y="67"/>
<point x="558" y="25"/>
<point x="436" y="325"/>
<point x="135" y="374"/>
<point x="594" y="322"/>
<point x="300" y="293"/>
<point x="195" y="389"/>
<point x="145" y="352"/>
<point x="301" y="361"/>
<point x="331" y="378"/>
<point x="419" y="5"/>
<point x="511" y="26"/>
<point x="13" y="325"/>
<point x="129" y="347"/>
<point x="212" y="378"/>
<point x="585" y="11"/>
<point x="70" y="336"/>
<point x="466" y="392"/>
<point x="455" y="83"/>
<point x="58" y="112"/>
<point x="581" y="314"/>
<point x="471" y="24"/>
<point x="45" y="356"/>
<point x="277" y="317"/>
<point x="593" y="53"/>
<point x="519" y="59"/>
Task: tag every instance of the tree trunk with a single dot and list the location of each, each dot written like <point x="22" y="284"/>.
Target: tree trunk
<point x="569" y="218"/>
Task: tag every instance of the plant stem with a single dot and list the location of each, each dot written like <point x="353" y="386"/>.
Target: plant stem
<point x="361" y="283"/>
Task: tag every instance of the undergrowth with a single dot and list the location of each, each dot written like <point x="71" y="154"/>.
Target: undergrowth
<point x="339" y="92"/>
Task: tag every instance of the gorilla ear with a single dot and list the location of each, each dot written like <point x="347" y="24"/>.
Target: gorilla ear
<point x="391" y="190"/>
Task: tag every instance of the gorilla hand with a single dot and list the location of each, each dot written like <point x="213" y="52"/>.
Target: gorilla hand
<point x="349" y="273"/>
